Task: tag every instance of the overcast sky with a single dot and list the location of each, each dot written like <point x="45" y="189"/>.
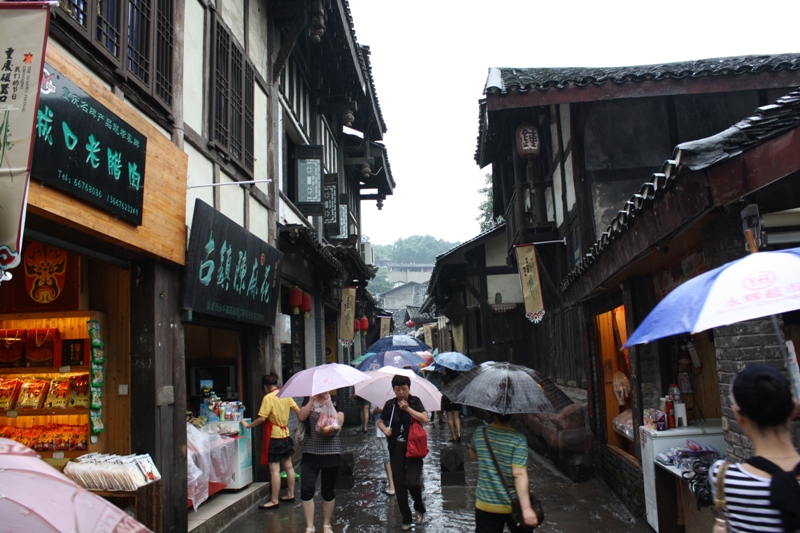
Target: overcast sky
<point x="430" y="59"/>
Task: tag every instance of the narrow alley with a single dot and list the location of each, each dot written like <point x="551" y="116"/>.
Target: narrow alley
<point x="587" y="507"/>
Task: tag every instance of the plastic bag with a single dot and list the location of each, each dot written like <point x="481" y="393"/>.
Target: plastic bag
<point x="328" y="423"/>
<point x="623" y="423"/>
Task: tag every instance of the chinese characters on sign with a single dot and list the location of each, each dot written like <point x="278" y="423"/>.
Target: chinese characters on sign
<point x="23" y="35"/>
<point x="528" y="144"/>
<point x="386" y="326"/>
<point x="347" y="314"/>
<point x="87" y="151"/>
<point x="230" y="272"/>
<point x="531" y="286"/>
<point x="309" y="179"/>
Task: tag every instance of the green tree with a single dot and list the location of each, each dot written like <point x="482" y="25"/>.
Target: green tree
<point x="486" y="218"/>
<point x="380" y="283"/>
<point x="414" y="249"/>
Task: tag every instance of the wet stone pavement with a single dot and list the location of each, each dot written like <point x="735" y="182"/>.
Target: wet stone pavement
<point x="587" y="507"/>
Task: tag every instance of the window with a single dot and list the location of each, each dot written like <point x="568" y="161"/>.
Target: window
<point x="232" y="107"/>
<point x="134" y="35"/>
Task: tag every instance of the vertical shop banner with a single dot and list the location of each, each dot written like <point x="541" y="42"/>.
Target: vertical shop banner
<point x="23" y="38"/>
<point x="428" y="331"/>
<point x="347" y="315"/>
<point x="458" y="337"/>
<point x="386" y="326"/>
<point x="531" y="285"/>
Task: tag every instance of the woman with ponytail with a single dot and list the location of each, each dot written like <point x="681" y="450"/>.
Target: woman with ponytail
<point x="762" y="493"/>
<point x="277" y="446"/>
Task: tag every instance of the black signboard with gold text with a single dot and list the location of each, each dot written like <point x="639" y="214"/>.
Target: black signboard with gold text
<point x="230" y="273"/>
<point x="87" y="151"/>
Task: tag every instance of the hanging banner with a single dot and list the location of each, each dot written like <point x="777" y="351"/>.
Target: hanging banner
<point x="428" y="331"/>
<point x="347" y="314"/>
<point x="386" y="326"/>
<point x="531" y="285"/>
<point x="458" y="337"/>
<point x="23" y="38"/>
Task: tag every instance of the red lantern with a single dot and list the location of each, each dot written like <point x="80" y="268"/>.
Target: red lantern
<point x="295" y="300"/>
<point x="364" y="323"/>
<point x="356" y="325"/>
<point x="306" y="307"/>
<point x="410" y="324"/>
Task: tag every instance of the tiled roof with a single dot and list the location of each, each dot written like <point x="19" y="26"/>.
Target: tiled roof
<point x="766" y="122"/>
<point x="504" y="80"/>
<point x="309" y="237"/>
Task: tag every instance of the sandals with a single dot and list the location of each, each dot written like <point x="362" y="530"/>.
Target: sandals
<point x="310" y="529"/>
<point x="288" y="500"/>
<point x="269" y="505"/>
<point x="405" y="527"/>
<point x="390" y="492"/>
<point x="328" y="527"/>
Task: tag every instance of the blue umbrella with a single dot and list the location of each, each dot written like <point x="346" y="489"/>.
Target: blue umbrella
<point x="395" y="358"/>
<point x="454" y="361"/>
<point x="398" y="342"/>
<point x="755" y="286"/>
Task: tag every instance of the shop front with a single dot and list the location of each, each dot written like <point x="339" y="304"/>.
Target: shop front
<point x="104" y="207"/>
<point x="230" y="299"/>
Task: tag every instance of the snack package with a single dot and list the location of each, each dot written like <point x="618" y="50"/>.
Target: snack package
<point x="59" y="394"/>
<point x="328" y="423"/>
<point x="9" y="391"/>
<point x="148" y="468"/>
<point x="98" y="354"/>
<point x="80" y="391"/>
<point x="93" y="326"/>
<point x="33" y="393"/>
<point x="96" y="420"/>
<point x="97" y="398"/>
<point x="98" y="375"/>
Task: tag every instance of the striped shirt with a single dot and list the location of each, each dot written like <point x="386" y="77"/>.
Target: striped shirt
<point x="747" y="497"/>
<point x="511" y="449"/>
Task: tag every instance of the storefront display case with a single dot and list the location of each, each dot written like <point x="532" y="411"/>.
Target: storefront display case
<point x="70" y="325"/>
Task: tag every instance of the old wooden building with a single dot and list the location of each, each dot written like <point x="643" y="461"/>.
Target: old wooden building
<point x="602" y="137"/>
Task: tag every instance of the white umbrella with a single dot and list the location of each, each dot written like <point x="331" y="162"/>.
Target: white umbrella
<point x="378" y="389"/>
<point x="322" y="378"/>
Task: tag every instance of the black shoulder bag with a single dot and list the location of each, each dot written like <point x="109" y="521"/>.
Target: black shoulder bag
<point x="516" y="508"/>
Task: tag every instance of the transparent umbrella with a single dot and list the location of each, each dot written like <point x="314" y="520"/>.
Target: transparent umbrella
<point x="500" y="387"/>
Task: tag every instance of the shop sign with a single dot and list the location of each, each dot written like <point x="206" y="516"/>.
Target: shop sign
<point x="23" y="36"/>
<point x="386" y="326"/>
<point x="531" y="285"/>
<point x="230" y="273"/>
<point x="47" y="280"/>
<point x="678" y="273"/>
<point x="347" y="314"/>
<point x="309" y="179"/>
<point x="87" y="151"/>
<point x="330" y="196"/>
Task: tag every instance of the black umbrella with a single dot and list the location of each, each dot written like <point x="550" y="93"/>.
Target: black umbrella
<point x="501" y="387"/>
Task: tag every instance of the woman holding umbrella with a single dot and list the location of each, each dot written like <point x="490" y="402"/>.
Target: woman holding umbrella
<point x="395" y="420"/>
<point x="322" y="457"/>
<point x="278" y="448"/>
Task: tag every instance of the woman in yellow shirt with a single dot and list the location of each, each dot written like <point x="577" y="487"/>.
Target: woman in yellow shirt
<point x="278" y="447"/>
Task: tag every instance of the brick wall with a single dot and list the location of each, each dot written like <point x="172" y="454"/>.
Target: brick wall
<point x="623" y="474"/>
<point x="737" y="346"/>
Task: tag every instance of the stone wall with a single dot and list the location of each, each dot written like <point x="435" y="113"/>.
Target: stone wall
<point x="564" y="438"/>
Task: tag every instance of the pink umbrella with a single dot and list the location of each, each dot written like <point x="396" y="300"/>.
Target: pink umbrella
<point x="37" y="498"/>
<point x="322" y="378"/>
<point x="378" y="389"/>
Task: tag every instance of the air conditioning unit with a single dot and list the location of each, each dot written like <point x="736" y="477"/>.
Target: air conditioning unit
<point x="368" y="253"/>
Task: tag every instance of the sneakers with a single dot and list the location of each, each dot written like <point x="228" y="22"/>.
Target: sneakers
<point x="420" y="517"/>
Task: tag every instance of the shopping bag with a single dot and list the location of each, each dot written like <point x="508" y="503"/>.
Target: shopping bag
<point x="328" y="423"/>
<point x="417" y="444"/>
<point x="12" y="346"/>
<point x="43" y="347"/>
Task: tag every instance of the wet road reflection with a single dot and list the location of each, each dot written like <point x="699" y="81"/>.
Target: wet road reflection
<point x="587" y="507"/>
